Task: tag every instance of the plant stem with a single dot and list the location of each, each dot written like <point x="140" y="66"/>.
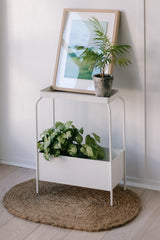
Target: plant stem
<point x="102" y="72"/>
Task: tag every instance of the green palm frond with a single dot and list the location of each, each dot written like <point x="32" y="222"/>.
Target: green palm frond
<point x="103" y="52"/>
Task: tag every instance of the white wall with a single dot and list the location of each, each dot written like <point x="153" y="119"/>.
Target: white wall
<point x="29" y="38"/>
<point x="153" y="90"/>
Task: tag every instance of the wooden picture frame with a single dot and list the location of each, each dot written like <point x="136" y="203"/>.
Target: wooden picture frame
<point x="68" y="75"/>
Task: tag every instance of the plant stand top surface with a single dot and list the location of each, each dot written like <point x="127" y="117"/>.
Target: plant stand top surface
<point x="50" y="93"/>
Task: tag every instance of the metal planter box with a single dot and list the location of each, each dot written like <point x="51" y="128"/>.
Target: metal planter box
<point x="97" y="174"/>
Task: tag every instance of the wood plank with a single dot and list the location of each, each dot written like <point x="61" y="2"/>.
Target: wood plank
<point x="79" y="235"/>
<point x="151" y="199"/>
<point x="5" y="217"/>
<point x="13" y="178"/>
<point x="137" y="190"/>
<point x="151" y="229"/>
<point x="47" y="232"/>
<point x="17" y="229"/>
<point x="5" y="170"/>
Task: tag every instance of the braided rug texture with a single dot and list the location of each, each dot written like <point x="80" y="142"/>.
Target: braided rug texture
<point x="70" y="206"/>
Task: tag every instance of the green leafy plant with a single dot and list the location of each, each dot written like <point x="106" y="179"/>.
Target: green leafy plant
<point x="65" y="139"/>
<point x="103" y="51"/>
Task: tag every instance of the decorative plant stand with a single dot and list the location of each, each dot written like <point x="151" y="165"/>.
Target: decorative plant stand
<point x="98" y="174"/>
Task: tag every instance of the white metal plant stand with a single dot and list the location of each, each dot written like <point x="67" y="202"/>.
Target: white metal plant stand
<point x="98" y="174"/>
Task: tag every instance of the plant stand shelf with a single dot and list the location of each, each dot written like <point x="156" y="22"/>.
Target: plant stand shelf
<point x="98" y="174"/>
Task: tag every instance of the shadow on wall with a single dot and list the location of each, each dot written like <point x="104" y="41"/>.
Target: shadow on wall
<point x="4" y="101"/>
<point x="129" y="77"/>
<point x="10" y="142"/>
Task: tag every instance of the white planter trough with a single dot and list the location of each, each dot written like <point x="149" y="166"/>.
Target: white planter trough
<point x="97" y="174"/>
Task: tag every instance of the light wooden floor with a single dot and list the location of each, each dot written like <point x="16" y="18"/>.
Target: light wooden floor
<point x="145" y="227"/>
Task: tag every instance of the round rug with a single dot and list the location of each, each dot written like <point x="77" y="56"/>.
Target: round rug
<point x="70" y="206"/>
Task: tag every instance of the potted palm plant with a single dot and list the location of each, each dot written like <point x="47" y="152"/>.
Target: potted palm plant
<point x="102" y="53"/>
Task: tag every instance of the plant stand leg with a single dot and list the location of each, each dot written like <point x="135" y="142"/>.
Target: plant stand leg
<point x="111" y="197"/>
<point x="124" y="140"/>
<point x="54" y="112"/>
<point x="110" y="152"/>
<point x="37" y="154"/>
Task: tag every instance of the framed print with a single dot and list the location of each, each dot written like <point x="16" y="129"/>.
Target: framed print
<point x="71" y="74"/>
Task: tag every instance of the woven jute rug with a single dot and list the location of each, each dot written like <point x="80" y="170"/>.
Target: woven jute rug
<point x="70" y="206"/>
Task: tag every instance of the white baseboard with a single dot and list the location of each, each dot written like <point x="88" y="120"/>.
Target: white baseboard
<point x="18" y="164"/>
<point x="131" y="181"/>
<point x="146" y="183"/>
